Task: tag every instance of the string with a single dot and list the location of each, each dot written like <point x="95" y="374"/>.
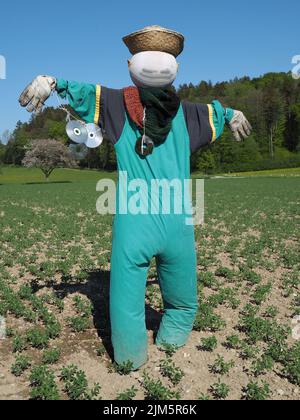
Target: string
<point x="63" y="108"/>
<point x="144" y="136"/>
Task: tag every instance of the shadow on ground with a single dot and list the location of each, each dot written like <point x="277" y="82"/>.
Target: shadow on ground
<point x="96" y="289"/>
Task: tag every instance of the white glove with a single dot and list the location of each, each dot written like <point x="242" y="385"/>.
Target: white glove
<point x="240" y="126"/>
<point x="36" y="94"/>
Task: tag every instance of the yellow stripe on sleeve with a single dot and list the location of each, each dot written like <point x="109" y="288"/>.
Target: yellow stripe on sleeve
<point x="97" y="108"/>
<point x="211" y="122"/>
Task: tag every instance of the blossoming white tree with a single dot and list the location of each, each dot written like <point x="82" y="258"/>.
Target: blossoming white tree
<point x="48" y="155"/>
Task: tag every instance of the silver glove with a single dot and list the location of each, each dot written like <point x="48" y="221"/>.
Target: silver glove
<point x="240" y="126"/>
<point x="36" y="94"/>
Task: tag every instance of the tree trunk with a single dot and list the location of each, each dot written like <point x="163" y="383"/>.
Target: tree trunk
<point x="271" y="143"/>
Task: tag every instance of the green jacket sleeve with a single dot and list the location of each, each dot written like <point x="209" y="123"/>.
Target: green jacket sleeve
<point x="219" y="117"/>
<point x="83" y="98"/>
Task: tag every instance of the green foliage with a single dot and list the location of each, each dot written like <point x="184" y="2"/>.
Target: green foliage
<point x="122" y="369"/>
<point x="292" y="364"/>
<point x="263" y="365"/>
<point x="209" y="344"/>
<point x="170" y="371"/>
<point x="220" y="390"/>
<point x="261" y="294"/>
<point x="255" y="392"/>
<point x="156" y="391"/>
<point x="76" y="384"/>
<point x="51" y="356"/>
<point x="204" y="397"/>
<point x="233" y="342"/>
<point x="101" y="350"/>
<point x="169" y="349"/>
<point x="43" y="386"/>
<point x="221" y="367"/>
<point x="128" y="395"/>
<point x="21" y="364"/>
<point x="19" y="343"/>
<point x="37" y="338"/>
<point x="78" y="323"/>
<point x="207" y="320"/>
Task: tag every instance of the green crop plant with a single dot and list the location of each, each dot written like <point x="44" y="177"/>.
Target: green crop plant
<point x="169" y="370"/>
<point x="156" y="391"/>
<point x="76" y="384"/>
<point x="51" y="356"/>
<point x="22" y="363"/>
<point x="221" y="367"/>
<point x="43" y="385"/>
<point x="256" y="392"/>
<point x="220" y="390"/>
<point x="127" y="395"/>
<point x="209" y="344"/>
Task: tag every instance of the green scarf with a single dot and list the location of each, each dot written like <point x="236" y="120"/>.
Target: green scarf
<point x="162" y="106"/>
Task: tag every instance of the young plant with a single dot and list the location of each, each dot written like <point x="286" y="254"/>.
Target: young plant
<point x="207" y="320"/>
<point x="291" y="364"/>
<point x="204" y="397"/>
<point x="220" y="367"/>
<point x="76" y="384"/>
<point x="19" y="343"/>
<point x="51" y="356"/>
<point x="21" y="364"/>
<point x="122" y="369"/>
<point x="262" y="365"/>
<point x="255" y="392"/>
<point x="78" y="323"/>
<point x="233" y="342"/>
<point x="101" y="350"/>
<point x="169" y="370"/>
<point x="271" y="312"/>
<point x="169" y="349"/>
<point x="248" y="351"/>
<point x="261" y="294"/>
<point x="43" y="386"/>
<point x="220" y="391"/>
<point x="156" y="391"/>
<point x="37" y="338"/>
<point x="128" y="395"/>
<point x="209" y="344"/>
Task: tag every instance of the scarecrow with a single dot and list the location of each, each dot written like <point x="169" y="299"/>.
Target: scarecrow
<point x="153" y="134"/>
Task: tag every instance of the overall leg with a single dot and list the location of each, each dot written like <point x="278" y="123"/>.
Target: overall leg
<point x="178" y="281"/>
<point x="129" y="267"/>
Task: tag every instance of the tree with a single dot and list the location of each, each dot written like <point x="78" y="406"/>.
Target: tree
<point x="5" y="136"/>
<point x="274" y="116"/>
<point x="48" y="155"/>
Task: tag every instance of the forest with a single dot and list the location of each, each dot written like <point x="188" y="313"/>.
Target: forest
<point x="270" y="102"/>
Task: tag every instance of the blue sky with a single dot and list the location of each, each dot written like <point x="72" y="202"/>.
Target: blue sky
<point x="82" y="41"/>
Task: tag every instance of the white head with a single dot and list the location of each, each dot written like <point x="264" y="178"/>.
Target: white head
<point x="153" y="69"/>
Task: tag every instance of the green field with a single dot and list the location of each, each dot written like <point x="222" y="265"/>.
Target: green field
<point x="54" y="287"/>
<point x="15" y="175"/>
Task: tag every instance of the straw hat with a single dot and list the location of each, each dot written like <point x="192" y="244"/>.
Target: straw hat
<point x="155" y="38"/>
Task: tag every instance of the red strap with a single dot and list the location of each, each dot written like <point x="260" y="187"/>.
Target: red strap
<point x="134" y="105"/>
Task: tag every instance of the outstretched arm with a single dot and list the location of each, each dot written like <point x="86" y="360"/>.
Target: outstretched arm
<point x="206" y="123"/>
<point x="93" y="103"/>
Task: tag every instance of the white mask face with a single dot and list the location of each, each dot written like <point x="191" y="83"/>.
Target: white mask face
<point x="153" y="69"/>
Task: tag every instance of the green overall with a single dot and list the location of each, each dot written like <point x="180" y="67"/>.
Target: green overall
<point x="146" y="230"/>
<point x="137" y="238"/>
